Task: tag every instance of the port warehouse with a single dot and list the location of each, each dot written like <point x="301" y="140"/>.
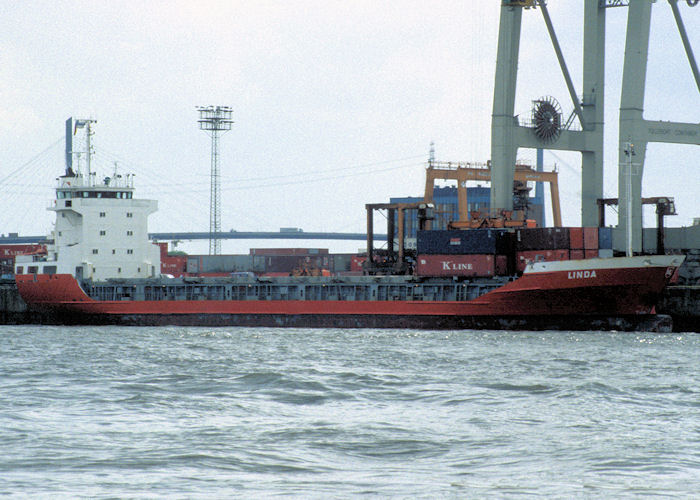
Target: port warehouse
<point x="483" y="252"/>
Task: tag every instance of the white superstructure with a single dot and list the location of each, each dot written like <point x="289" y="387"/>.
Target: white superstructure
<point x="101" y="230"/>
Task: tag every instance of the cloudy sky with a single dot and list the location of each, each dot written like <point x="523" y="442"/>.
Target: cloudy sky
<point x="335" y="103"/>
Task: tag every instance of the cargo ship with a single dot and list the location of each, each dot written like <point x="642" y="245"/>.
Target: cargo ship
<point x="101" y="268"/>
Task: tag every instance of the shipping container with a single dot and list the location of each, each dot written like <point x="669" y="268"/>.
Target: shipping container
<point x="225" y="263"/>
<point x="542" y="238"/>
<point x="501" y="265"/>
<point x="192" y="264"/>
<point x="341" y="262"/>
<point x="605" y="237"/>
<point x="257" y="264"/>
<point x="590" y="238"/>
<point x="7" y="266"/>
<point x="288" y="263"/>
<point x="591" y="254"/>
<point x="682" y="238"/>
<point x="356" y="263"/>
<point x="288" y="251"/>
<point x="528" y="256"/>
<point x="576" y="238"/>
<point x="463" y="242"/>
<point x="12" y="250"/>
<point x="577" y="255"/>
<point x="220" y="264"/>
<point x="606" y="253"/>
<point x="455" y="265"/>
<point x="175" y="265"/>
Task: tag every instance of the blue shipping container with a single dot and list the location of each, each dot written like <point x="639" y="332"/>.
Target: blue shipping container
<point x="605" y="237"/>
<point x="460" y="242"/>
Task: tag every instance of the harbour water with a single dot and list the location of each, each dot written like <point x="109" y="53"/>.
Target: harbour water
<point x="115" y="412"/>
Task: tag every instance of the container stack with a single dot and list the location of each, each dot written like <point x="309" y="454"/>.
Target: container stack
<point x="462" y="253"/>
<point x="605" y="242"/>
<point x="9" y="252"/>
<point x="584" y="242"/>
<point x="268" y="261"/>
<point x="445" y="253"/>
<point x="174" y="265"/>
<point x="224" y="264"/>
<point x="541" y="244"/>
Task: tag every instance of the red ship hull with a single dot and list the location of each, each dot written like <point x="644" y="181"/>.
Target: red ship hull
<point x="570" y="295"/>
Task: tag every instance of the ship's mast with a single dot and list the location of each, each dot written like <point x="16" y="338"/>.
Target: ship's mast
<point x="72" y="126"/>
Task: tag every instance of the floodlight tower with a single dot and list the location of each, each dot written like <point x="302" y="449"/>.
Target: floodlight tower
<point x="215" y="119"/>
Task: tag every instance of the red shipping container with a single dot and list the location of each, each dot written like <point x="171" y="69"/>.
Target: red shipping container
<point x="175" y="265"/>
<point x="501" y="266"/>
<point x="524" y="258"/>
<point x="455" y="265"/>
<point x="576" y="238"/>
<point x="163" y="249"/>
<point x="590" y="238"/>
<point x="591" y="254"/>
<point x="577" y="255"/>
<point x="12" y="250"/>
<point x="356" y="263"/>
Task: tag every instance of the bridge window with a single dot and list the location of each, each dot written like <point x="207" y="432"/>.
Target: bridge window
<point x="94" y="251"/>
